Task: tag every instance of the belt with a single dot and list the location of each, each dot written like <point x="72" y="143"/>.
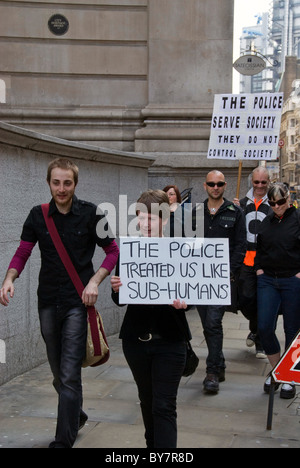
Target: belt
<point x="150" y="337"/>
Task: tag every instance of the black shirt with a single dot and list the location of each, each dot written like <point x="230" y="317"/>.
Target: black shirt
<point x="156" y="319"/>
<point x="77" y="230"/>
<point x="162" y="320"/>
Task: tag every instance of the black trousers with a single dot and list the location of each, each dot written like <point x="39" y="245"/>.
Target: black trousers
<point x="211" y="318"/>
<point x="64" y="331"/>
<point x="157" y="368"/>
<point x="247" y="292"/>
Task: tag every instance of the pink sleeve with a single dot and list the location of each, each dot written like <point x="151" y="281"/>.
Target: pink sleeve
<point x="21" y="256"/>
<point x="112" y="255"/>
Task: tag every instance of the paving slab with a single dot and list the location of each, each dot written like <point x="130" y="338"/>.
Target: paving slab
<point x="235" y="418"/>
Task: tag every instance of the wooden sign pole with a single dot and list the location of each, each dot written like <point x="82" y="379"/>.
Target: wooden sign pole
<point x="239" y="179"/>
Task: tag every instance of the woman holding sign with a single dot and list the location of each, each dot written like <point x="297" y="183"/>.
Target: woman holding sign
<point x="154" y="340"/>
<point x="278" y="273"/>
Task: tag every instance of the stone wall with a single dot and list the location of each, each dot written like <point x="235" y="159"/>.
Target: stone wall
<point x="87" y="85"/>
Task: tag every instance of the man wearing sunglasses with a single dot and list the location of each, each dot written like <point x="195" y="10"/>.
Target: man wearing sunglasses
<point x="256" y="207"/>
<point x="222" y="219"/>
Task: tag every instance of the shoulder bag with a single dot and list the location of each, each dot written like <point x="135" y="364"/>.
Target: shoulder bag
<point x="97" y="350"/>
<point x="192" y="360"/>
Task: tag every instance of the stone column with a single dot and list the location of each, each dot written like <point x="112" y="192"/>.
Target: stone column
<point x="190" y="46"/>
<point x="190" y="60"/>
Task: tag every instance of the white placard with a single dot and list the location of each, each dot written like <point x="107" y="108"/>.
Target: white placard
<point x="161" y="270"/>
<point x="246" y="126"/>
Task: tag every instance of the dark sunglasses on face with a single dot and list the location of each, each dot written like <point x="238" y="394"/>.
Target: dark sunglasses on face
<point x="262" y="182"/>
<point x="214" y="184"/>
<point x="280" y="202"/>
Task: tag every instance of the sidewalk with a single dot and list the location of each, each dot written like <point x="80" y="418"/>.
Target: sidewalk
<point x="235" y="418"/>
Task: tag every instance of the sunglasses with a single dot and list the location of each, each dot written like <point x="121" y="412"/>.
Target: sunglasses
<point x="216" y="184"/>
<point x="280" y="202"/>
<point x="262" y="182"/>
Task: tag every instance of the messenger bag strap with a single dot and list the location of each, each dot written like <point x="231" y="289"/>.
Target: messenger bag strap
<point x="64" y="256"/>
<point x="61" y="250"/>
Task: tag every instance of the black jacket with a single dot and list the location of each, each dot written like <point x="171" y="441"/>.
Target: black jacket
<point x="228" y="223"/>
<point x="278" y="245"/>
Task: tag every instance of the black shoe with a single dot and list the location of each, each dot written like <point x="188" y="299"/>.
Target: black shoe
<point x="288" y="392"/>
<point x="211" y="383"/>
<point x="222" y="376"/>
<point x="267" y="385"/>
<point x="82" y="419"/>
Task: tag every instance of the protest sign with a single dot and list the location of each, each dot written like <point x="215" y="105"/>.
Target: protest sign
<point x="161" y="270"/>
<point x="246" y="126"/>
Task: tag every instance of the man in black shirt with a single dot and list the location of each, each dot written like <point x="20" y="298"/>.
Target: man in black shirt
<point x="62" y="312"/>
<point x="222" y="219"/>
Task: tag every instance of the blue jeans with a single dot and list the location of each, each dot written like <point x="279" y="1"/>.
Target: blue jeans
<point x="157" y="368"/>
<point x="271" y="294"/>
<point x="64" y="331"/>
<point x="212" y="318"/>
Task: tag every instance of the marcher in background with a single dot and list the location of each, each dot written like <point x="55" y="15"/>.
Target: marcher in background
<point x="174" y="196"/>
<point x="62" y="313"/>
<point x="255" y="207"/>
<point x="175" y="225"/>
<point x="277" y="264"/>
<point x="222" y="219"/>
<point x="154" y="341"/>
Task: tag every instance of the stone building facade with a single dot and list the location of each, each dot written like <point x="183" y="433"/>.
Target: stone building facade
<point x="126" y="87"/>
<point x="130" y="75"/>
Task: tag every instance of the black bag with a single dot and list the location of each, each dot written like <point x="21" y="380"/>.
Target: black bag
<point x="192" y="361"/>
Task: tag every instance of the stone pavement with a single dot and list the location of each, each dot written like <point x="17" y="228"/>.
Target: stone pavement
<point x="235" y="418"/>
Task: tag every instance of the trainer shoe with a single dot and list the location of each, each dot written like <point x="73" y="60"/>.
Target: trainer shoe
<point x="250" y="342"/>
<point x="260" y="354"/>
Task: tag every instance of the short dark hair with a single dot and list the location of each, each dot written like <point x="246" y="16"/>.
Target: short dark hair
<point x="150" y="200"/>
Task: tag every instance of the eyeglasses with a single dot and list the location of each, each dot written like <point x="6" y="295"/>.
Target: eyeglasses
<point x="262" y="182"/>
<point x="280" y="202"/>
<point x="216" y="184"/>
